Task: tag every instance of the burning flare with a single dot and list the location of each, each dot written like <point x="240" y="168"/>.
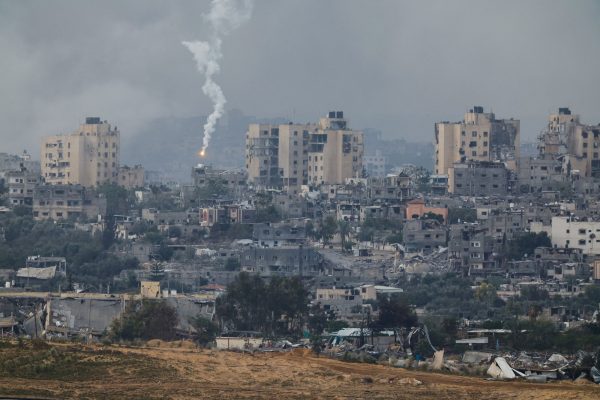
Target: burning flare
<point x="223" y="17"/>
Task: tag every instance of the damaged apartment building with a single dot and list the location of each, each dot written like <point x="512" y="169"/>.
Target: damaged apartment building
<point x="479" y="137"/>
<point x="283" y="261"/>
<point x="424" y="236"/>
<point x="291" y="155"/>
<point x="578" y="144"/>
<point x="59" y="202"/>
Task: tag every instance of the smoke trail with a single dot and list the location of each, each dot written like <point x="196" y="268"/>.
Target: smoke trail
<point x="223" y="17"/>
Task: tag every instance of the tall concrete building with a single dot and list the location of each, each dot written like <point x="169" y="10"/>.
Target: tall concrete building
<point x="335" y="151"/>
<point x="479" y="137"/>
<point x="291" y="155"/>
<point x="262" y="155"/>
<point x="579" y="143"/>
<point x="88" y="157"/>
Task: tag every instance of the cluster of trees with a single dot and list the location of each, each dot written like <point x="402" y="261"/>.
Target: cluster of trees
<point x="525" y="244"/>
<point x="277" y="307"/>
<point x="280" y="307"/>
<point x="86" y="254"/>
<point x="451" y="298"/>
<point x="371" y="230"/>
<point x="147" y="319"/>
<point x="380" y="229"/>
<point x="461" y="214"/>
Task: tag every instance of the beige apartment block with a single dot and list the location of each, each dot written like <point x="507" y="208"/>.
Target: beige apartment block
<point x="479" y="137"/>
<point x="578" y="143"/>
<point x="88" y="157"/>
<point x="336" y="152"/>
<point x="291" y="155"/>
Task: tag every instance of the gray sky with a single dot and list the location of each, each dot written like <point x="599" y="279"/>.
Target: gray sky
<point x="393" y="65"/>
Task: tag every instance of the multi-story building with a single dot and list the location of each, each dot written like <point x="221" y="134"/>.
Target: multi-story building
<point x="281" y="261"/>
<point x="233" y="180"/>
<point x="478" y="178"/>
<point x="21" y="185"/>
<point x="278" y="235"/>
<point x="88" y="157"/>
<point x="479" y="137"/>
<point x="291" y="155"/>
<point x="540" y="174"/>
<point x="416" y="209"/>
<point x="59" y="202"/>
<point x="393" y="187"/>
<point x="14" y="162"/>
<point x="131" y="177"/>
<point x="473" y="249"/>
<point x="579" y="143"/>
<point x="424" y="236"/>
<point x="335" y="152"/>
<point x="262" y="155"/>
<point x="375" y="165"/>
<point x="568" y="232"/>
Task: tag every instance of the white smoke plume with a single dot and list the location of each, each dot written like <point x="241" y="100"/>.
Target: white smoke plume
<point x="223" y="17"/>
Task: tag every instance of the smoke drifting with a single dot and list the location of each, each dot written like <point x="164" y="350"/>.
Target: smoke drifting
<point x="224" y="16"/>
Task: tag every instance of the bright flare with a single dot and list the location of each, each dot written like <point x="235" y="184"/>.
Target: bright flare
<point x="223" y="17"/>
<point x="202" y="153"/>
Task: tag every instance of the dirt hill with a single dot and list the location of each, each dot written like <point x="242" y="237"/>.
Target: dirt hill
<point x="39" y="370"/>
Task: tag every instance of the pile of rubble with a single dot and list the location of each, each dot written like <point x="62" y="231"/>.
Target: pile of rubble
<point x="536" y="367"/>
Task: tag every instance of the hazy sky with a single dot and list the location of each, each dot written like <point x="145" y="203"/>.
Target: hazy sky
<point x="398" y="66"/>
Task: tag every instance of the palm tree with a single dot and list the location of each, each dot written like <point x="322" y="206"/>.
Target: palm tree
<point x="344" y="231"/>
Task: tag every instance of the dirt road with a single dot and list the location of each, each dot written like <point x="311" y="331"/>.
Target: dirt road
<point x="166" y="373"/>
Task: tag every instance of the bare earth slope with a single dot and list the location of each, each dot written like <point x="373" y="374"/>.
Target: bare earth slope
<point x="81" y="372"/>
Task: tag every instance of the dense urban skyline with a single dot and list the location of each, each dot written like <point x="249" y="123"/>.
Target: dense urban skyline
<point x="394" y="66"/>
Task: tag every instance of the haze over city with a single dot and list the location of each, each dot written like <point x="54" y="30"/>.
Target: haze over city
<point x="300" y="199"/>
<point x="396" y="66"/>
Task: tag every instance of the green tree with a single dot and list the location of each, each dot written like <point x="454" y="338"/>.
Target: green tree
<point x="212" y="189"/>
<point x="344" y="231"/>
<point x="592" y="294"/>
<point x="118" y="199"/>
<point x="265" y="209"/>
<point x="431" y="215"/>
<point x="206" y="330"/>
<point x="533" y="293"/>
<point x="232" y="264"/>
<point x="174" y="232"/>
<point x="317" y="320"/>
<point x="461" y="214"/>
<point x="157" y="272"/>
<point x="279" y="307"/>
<point x="525" y="244"/>
<point x="485" y="293"/>
<point x="394" y="312"/>
<point x="327" y="229"/>
<point x="148" y="319"/>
